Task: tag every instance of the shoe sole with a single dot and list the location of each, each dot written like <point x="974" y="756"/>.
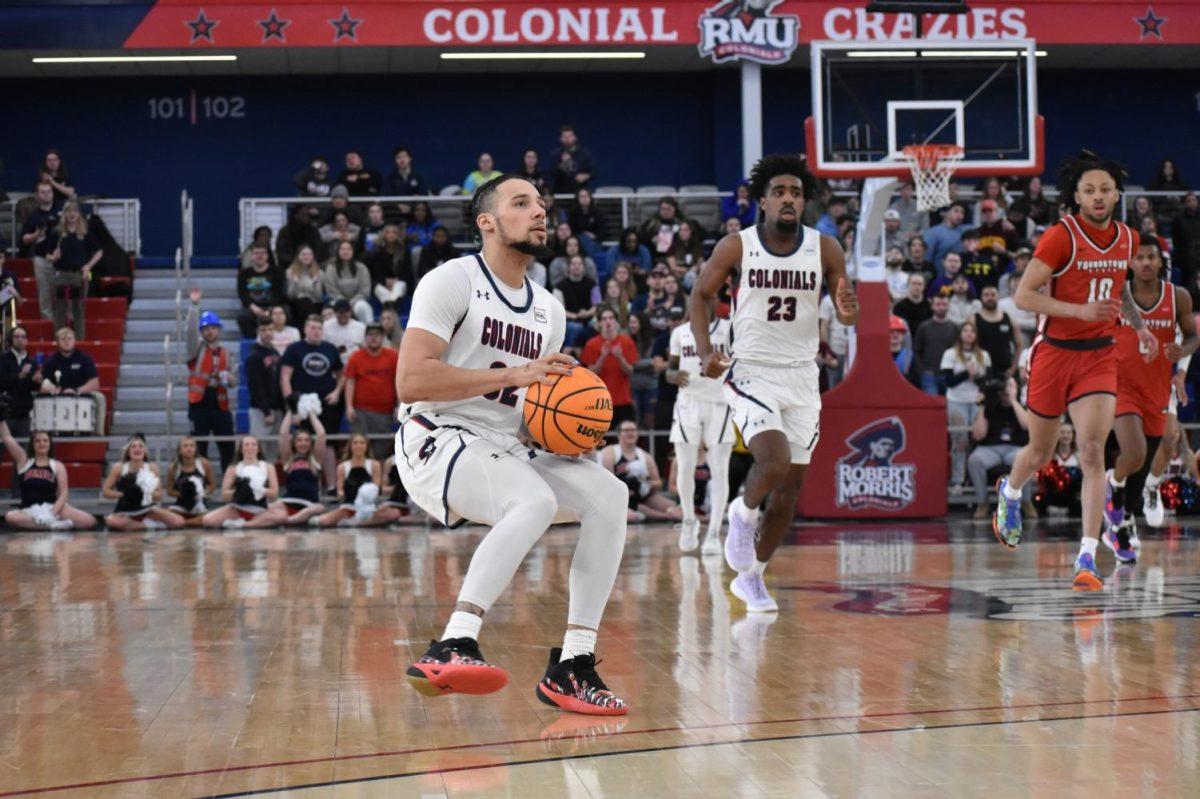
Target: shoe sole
<point x="729" y="557"/>
<point x="572" y="705"/>
<point x="746" y="601"/>
<point x="437" y="679"/>
<point x="1086" y="581"/>
<point x="1131" y="558"/>
<point x="996" y="522"/>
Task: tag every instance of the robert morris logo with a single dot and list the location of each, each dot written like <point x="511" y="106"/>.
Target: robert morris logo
<point x="867" y="477"/>
<point x="746" y="29"/>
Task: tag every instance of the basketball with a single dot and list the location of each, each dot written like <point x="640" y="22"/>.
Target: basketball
<point x="572" y="415"/>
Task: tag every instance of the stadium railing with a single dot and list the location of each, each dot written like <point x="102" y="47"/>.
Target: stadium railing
<point x="122" y="216"/>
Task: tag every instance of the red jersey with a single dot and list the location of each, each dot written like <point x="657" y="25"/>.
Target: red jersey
<point x="1088" y="265"/>
<point x="1150" y="380"/>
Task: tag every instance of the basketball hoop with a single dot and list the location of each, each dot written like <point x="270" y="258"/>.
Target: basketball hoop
<point x="932" y="166"/>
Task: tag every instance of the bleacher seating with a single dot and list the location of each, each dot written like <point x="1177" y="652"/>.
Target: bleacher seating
<point x="705" y="210"/>
<point x="647" y="201"/>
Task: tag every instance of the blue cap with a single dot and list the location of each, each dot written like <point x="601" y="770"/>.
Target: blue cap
<point x="208" y="318"/>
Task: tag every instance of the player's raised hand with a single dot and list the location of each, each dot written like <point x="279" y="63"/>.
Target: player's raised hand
<point x="714" y="364"/>
<point x="544" y="370"/>
<point x="1147" y="345"/>
<point x="194" y="294"/>
<point x="847" y="303"/>
<point x="1100" y="311"/>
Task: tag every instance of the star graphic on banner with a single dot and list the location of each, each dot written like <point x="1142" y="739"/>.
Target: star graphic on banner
<point x="345" y="26"/>
<point x="273" y="27"/>
<point x="1151" y="24"/>
<point x="202" y="27"/>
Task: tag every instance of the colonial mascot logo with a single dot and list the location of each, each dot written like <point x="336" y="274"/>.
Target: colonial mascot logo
<point x="736" y="29"/>
<point x="867" y="477"/>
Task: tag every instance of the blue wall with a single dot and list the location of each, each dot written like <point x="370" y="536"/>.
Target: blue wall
<point x="673" y="129"/>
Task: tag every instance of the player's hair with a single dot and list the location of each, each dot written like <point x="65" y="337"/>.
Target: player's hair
<point x="1071" y="172"/>
<point x="484" y="199"/>
<point x="772" y="166"/>
<point x="1151" y="241"/>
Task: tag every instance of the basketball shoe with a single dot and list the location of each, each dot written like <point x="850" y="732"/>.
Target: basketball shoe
<point x="1006" y="523"/>
<point x="1152" y="507"/>
<point x="1119" y="540"/>
<point x="455" y="666"/>
<point x="712" y="543"/>
<point x="689" y="535"/>
<point x="752" y="589"/>
<point x="1087" y="578"/>
<point x="573" y="685"/>
<point x="1114" y="502"/>
<point x="739" y="541"/>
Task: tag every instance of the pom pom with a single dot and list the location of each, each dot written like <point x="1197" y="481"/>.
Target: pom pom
<point x="364" y="502"/>
<point x="148" y="482"/>
<point x="42" y="514"/>
<point x="1171" y="494"/>
<point x="258" y="483"/>
<point x="308" y="404"/>
<point x="243" y="494"/>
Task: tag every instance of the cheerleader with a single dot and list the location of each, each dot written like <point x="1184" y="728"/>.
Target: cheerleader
<point x="393" y="489"/>
<point x="358" y="480"/>
<point x="249" y="485"/>
<point x="136" y="487"/>
<point x="42" y="487"/>
<point x="301" y="453"/>
<point x="189" y="480"/>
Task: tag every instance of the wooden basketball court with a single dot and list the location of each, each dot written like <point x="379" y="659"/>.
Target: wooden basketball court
<point x="907" y="660"/>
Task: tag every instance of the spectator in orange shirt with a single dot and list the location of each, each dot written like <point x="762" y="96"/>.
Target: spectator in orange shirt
<point x="371" y="390"/>
<point x="611" y="355"/>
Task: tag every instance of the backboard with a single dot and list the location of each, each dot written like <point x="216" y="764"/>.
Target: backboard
<point x="870" y="99"/>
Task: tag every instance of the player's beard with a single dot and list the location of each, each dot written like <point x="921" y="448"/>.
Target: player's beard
<point x="526" y="247"/>
<point x="787" y="225"/>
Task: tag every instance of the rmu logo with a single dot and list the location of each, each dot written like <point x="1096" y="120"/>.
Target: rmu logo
<point x="866" y="476"/>
<point x="736" y="29"/>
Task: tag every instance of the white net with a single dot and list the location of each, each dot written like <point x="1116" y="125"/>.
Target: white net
<point x="932" y="167"/>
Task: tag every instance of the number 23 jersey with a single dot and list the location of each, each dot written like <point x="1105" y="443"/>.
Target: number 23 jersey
<point x="776" y="301"/>
<point x="489" y="325"/>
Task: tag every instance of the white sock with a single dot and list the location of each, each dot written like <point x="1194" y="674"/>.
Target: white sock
<point x="1011" y="492"/>
<point x="1153" y="481"/>
<point x="578" y="642"/>
<point x="1088" y="546"/>
<point x="463" y="625"/>
<point x="1114" y="482"/>
<point x="686" y="456"/>
<point x="759" y="567"/>
<point x="747" y="515"/>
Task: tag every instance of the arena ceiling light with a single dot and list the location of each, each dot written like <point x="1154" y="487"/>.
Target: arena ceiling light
<point x="546" y="56"/>
<point x="129" y="59"/>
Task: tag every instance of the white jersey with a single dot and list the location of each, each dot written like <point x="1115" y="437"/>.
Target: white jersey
<point x="489" y="325"/>
<point x="683" y="346"/>
<point x="776" y="302"/>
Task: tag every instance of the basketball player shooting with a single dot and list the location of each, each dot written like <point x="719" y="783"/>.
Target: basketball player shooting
<point x="479" y="334"/>
<point x="1083" y="259"/>
<point x="778" y="267"/>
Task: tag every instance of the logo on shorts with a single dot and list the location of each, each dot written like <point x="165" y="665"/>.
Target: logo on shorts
<point x="427" y="449"/>
<point x="867" y="477"/>
<point x="746" y="29"/>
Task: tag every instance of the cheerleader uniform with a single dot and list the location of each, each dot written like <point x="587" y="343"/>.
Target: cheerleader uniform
<point x="399" y="496"/>
<point x="125" y="506"/>
<point x="38" y="487"/>
<point x="354" y="478"/>
<point x="247" y="504"/>
<point x="185" y="486"/>
<point x="301" y="483"/>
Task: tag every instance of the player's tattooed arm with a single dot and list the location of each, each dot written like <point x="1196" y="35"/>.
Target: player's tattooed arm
<point x="1129" y="309"/>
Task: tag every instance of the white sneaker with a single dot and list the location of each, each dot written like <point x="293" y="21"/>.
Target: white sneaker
<point x="750" y="588"/>
<point x="154" y="524"/>
<point x="739" y="543"/>
<point x="61" y="524"/>
<point x="234" y="524"/>
<point x="712" y="544"/>
<point x="1152" y="509"/>
<point x="689" y="535"/>
<point x="314" y="521"/>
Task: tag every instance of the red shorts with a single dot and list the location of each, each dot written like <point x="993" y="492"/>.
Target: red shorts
<point x="1058" y="377"/>
<point x="1152" y="410"/>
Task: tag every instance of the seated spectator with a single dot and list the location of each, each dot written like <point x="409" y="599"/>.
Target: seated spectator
<point x="629" y="250"/>
<point x="1185" y="232"/>
<point x="359" y="180"/>
<point x="73" y="251"/>
<point x="54" y="172"/>
<point x="893" y="236"/>
<point x="1018" y="217"/>
<point x="902" y="354"/>
<point x="687" y="247"/>
<point x="251" y="488"/>
<point x="41" y="487"/>
<point x="997" y="234"/>
<point x="530" y="170"/>
<point x="662" y="412"/>
<point x="339" y="201"/>
<point x="831" y="222"/>
<point x="643" y="380"/>
<point x="634" y="467"/>
<point x="992" y="195"/>
<point x="964" y="366"/>
<point x="912" y="220"/>
<point x="951" y="268"/>
<point x="611" y="355"/>
<point x="1148" y="232"/>
<point x="658" y="232"/>
<point x="393" y="334"/>
<point x="933" y="337"/>
<point x="1139" y="211"/>
<point x="20" y="378"/>
<point x="963" y="304"/>
<point x="71" y="371"/>
<point x="626" y="279"/>
<point x="371" y="391"/>
<point x="1066" y="456"/>
<point x="485" y="172"/>
<point x="731" y="226"/>
<point x="913" y="307"/>
<point x="10" y="294"/>
<point x="615" y="300"/>
<point x="1026" y="321"/>
<point x="347" y="279"/>
<point x="579" y="295"/>
<point x="340" y="230"/>
<point x="1166" y="179"/>
<point x="999" y="432"/>
<point x="946" y="236"/>
<point x="586" y="222"/>
<point x="283" y="335"/>
<point x="404" y="180"/>
<point x="419" y="230"/>
<point x="572" y="163"/>
<point x="262" y="378"/>
<point x="36" y="241"/>
<point x="437" y="252"/>
<point x="894" y="275"/>
<point x="836" y="336"/>
<point x="356" y="507"/>
<point x="304" y="284"/>
<point x="313" y="180"/>
<point x="981" y="266"/>
<point x="297" y="233"/>
<point x="740" y="206"/>
<point x="1039" y="210"/>
<point x="917" y="262"/>
<point x="262" y="235"/>
<point x="558" y="267"/>
<point x="555" y="213"/>
<point x="370" y="231"/>
<point x="389" y="260"/>
<point x="557" y="238"/>
<point x="343" y="331"/>
<point x="998" y="334"/>
<point x="259" y="288"/>
<point x="191" y="478"/>
<point x="135" y="484"/>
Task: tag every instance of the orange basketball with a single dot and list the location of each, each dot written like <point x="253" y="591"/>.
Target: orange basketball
<point x="570" y="416"/>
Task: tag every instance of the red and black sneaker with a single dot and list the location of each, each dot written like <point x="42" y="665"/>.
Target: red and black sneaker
<point x="455" y="666"/>
<point x="574" y="685"/>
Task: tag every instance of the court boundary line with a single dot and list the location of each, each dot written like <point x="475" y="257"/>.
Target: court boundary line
<point x="677" y="747"/>
<point x="614" y="733"/>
